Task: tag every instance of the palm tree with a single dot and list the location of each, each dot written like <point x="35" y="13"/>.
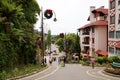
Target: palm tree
<point x="9" y="12"/>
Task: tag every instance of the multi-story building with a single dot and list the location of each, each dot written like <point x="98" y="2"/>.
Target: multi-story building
<point x="93" y="36"/>
<point x="114" y="28"/>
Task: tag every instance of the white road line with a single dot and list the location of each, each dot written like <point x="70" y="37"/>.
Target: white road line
<point x="100" y="72"/>
<point x="99" y="77"/>
<point x="48" y="74"/>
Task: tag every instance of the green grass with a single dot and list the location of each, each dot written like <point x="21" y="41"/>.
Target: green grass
<point x="21" y="70"/>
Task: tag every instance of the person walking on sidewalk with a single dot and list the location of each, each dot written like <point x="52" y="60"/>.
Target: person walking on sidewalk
<point x="93" y="62"/>
<point x="50" y="61"/>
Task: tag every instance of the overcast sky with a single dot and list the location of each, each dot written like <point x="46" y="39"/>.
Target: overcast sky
<point x="70" y="14"/>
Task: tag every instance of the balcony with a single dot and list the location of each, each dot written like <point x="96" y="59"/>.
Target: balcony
<point x="85" y="42"/>
<point x="86" y="33"/>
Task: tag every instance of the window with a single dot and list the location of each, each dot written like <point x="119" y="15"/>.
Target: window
<point x="112" y="4"/>
<point x="118" y="51"/>
<point x="111" y="50"/>
<point x="112" y="19"/>
<point x="92" y="40"/>
<point x="118" y="2"/>
<point x="117" y="34"/>
<point x="119" y="19"/>
<point x="93" y="30"/>
<point x="111" y="34"/>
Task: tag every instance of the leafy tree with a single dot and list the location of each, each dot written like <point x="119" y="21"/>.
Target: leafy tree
<point x="59" y="42"/>
<point x="70" y="42"/>
<point x="18" y="46"/>
<point x="48" y="40"/>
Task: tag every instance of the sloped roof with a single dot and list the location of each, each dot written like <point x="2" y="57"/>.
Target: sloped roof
<point x="99" y="10"/>
<point x="96" y="23"/>
<point x="102" y="10"/>
<point x="103" y="53"/>
<point x="118" y="45"/>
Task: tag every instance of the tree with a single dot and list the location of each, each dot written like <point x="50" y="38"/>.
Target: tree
<point x="70" y="42"/>
<point x="17" y="47"/>
<point x="48" y="40"/>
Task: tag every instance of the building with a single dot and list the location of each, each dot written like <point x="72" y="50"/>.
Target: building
<point x="94" y="36"/>
<point x="114" y="28"/>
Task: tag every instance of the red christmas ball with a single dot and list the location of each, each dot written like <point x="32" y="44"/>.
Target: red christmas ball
<point x="48" y="13"/>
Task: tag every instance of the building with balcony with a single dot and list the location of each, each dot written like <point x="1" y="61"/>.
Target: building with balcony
<point x="114" y="28"/>
<point x="94" y="35"/>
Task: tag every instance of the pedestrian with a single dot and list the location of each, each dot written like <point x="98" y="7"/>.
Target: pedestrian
<point x="58" y="60"/>
<point x="62" y="61"/>
<point x="93" y="62"/>
<point x="50" y="61"/>
<point x="45" y="60"/>
<point x="42" y="61"/>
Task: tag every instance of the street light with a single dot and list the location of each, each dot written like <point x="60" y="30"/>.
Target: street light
<point x="47" y="14"/>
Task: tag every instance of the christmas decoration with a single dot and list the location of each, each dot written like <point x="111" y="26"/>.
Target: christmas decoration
<point x="48" y="13"/>
<point x="62" y="35"/>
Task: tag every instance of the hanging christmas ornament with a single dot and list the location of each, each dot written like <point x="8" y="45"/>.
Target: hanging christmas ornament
<point x="48" y="13"/>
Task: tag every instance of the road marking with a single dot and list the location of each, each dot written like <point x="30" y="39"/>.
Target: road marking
<point x="48" y="74"/>
<point x="100" y="72"/>
<point x="88" y="72"/>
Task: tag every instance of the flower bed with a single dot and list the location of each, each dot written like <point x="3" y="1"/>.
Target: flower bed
<point x="112" y="70"/>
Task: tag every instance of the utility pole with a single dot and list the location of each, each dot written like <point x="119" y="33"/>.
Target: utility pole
<point x="42" y="38"/>
<point x="48" y="14"/>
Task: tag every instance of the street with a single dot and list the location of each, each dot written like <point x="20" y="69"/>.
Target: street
<point x="70" y="72"/>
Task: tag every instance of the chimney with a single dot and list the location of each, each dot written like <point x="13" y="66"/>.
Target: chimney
<point x="91" y="14"/>
<point x="102" y="7"/>
<point x="92" y="8"/>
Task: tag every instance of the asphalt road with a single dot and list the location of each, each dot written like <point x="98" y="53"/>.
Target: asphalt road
<point x="70" y="72"/>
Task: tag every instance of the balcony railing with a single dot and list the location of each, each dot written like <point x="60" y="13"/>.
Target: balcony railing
<point x="85" y="33"/>
<point x="85" y="42"/>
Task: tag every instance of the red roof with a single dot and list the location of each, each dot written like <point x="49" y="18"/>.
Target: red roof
<point x="96" y="23"/>
<point x="103" y="10"/>
<point x="103" y="53"/>
<point x="99" y="10"/>
<point x="118" y="45"/>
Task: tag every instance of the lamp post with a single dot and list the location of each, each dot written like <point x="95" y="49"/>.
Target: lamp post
<point x="48" y="14"/>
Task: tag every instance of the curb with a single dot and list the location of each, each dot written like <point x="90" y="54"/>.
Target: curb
<point x="110" y="74"/>
<point x="18" y="77"/>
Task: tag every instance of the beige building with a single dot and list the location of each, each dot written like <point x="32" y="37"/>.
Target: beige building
<point x="114" y="28"/>
<point x="93" y="36"/>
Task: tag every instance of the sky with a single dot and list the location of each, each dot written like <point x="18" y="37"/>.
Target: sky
<point x="70" y="14"/>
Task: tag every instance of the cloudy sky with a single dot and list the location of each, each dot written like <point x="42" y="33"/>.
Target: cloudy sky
<point x="70" y="14"/>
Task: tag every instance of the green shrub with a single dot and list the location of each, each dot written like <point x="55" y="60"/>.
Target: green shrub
<point x="101" y="60"/>
<point x="113" y="59"/>
<point x="15" y="72"/>
<point x="85" y="59"/>
<point x="3" y="75"/>
<point x="110" y="60"/>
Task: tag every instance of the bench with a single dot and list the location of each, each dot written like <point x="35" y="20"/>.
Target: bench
<point x="115" y="65"/>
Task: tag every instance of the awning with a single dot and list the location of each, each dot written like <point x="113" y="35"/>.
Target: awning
<point x="103" y="53"/>
<point x="118" y="45"/>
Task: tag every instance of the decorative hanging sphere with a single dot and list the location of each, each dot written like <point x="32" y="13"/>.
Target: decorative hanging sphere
<point x="48" y="13"/>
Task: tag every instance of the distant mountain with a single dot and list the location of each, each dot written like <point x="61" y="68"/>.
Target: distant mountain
<point x="54" y="35"/>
